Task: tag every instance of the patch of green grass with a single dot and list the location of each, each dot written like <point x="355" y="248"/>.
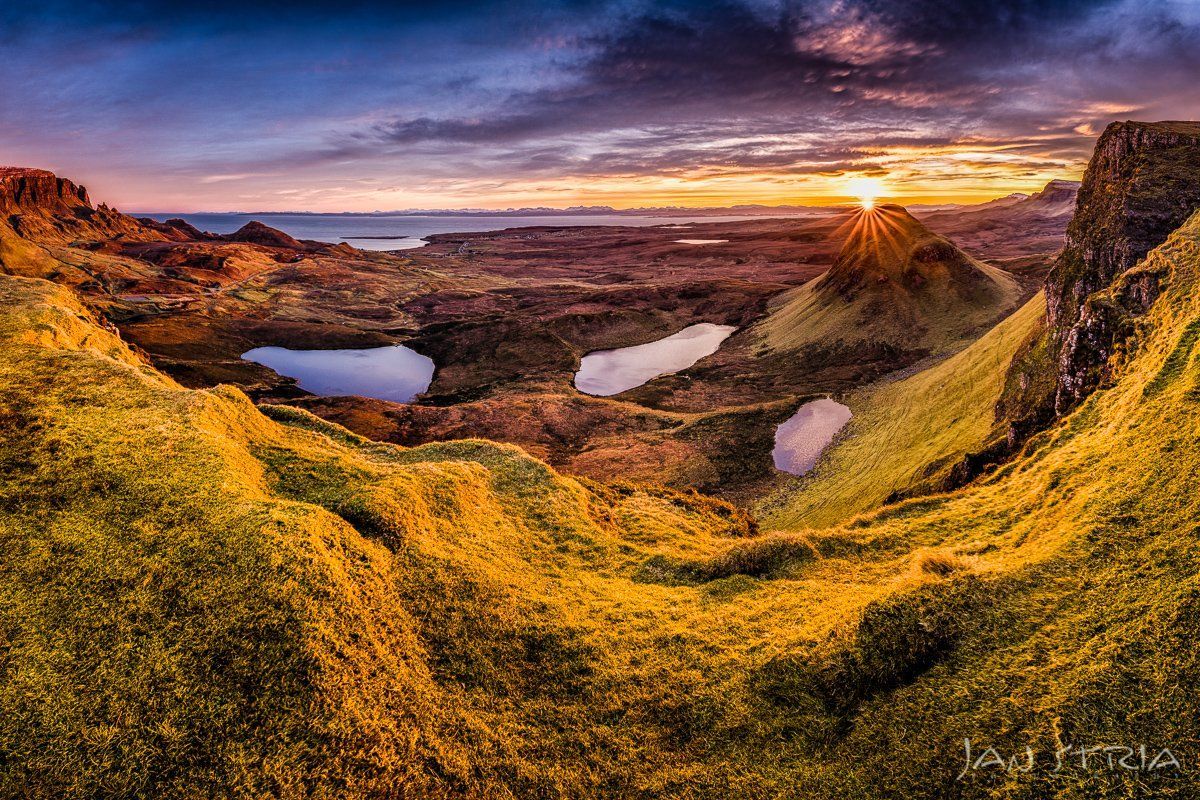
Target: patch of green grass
<point x="1174" y="364"/>
<point x="900" y="429"/>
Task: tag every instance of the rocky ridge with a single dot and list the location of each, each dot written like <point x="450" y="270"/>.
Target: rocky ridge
<point x="1142" y="183"/>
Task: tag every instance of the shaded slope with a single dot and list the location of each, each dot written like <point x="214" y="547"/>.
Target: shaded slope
<point x="894" y="282"/>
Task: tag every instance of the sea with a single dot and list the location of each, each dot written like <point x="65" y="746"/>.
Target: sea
<point x="406" y="231"/>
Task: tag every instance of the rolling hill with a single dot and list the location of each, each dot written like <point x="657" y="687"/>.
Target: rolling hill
<point x="201" y="597"/>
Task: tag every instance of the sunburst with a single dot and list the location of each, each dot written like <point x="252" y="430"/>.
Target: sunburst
<point x="867" y="190"/>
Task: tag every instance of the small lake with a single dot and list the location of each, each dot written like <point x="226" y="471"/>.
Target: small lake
<point x="609" y="372"/>
<point x="394" y="373"/>
<point x="800" y="441"/>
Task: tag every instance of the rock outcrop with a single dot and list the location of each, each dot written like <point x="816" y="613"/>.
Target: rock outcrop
<point x="38" y="206"/>
<point x="22" y="188"/>
<point x="1142" y="183"/>
<point x="176" y="228"/>
<point x="255" y="232"/>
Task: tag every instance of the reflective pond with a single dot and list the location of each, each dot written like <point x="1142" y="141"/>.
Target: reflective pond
<point x="609" y="372"/>
<point x="800" y="441"/>
<point x="394" y="373"/>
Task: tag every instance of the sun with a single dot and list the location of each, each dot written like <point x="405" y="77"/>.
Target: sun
<point x="867" y="190"/>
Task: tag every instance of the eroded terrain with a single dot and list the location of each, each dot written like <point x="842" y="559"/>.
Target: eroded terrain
<point x="506" y="316"/>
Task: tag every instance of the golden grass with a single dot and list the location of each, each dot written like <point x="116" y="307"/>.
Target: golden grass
<point x="200" y="599"/>
<point x="903" y="432"/>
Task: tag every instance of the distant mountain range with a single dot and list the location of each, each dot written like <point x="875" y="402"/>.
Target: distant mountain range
<point x="545" y="211"/>
<point x="1055" y="188"/>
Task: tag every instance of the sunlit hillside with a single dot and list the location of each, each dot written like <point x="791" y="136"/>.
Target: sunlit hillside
<point x="907" y="435"/>
<point x="183" y="572"/>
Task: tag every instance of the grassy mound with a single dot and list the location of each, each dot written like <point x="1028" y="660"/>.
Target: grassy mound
<point x="200" y="600"/>
<point x="203" y="599"/>
<point x="894" y="282"/>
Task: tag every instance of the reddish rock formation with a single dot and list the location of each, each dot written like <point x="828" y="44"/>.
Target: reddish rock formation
<point x="255" y="232"/>
<point x="22" y="189"/>
<point x="1057" y="196"/>
<point x="39" y="206"/>
<point x="176" y="228"/>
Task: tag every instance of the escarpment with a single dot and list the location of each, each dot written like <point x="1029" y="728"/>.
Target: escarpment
<point x="1142" y="183"/>
<point x="24" y="188"/>
<point x="42" y="208"/>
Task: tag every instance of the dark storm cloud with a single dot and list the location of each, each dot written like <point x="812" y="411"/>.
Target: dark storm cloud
<point x="766" y="70"/>
<point x="231" y="14"/>
<point x="206" y="92"/>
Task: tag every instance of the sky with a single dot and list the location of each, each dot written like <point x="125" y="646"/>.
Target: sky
<point x="361" y="106"/>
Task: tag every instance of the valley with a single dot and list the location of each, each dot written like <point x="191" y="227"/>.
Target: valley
<point x="511" y="588"/>
<point x="507" y="317"/>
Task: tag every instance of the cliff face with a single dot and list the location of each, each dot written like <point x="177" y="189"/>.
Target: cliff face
<point x="22" y="188"/>
<point x="1142" y="183"/>
<point x="39" y="207"/>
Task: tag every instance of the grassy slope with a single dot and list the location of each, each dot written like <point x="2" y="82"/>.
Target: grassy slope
<point x="804" y="317"/>
<point x="1085" y="628"/>
<point x="902" y="430"/>
<point x="197" y="599"/>
<point x="166" y="600"/>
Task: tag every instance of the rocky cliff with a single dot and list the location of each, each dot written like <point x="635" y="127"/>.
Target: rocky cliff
<point x="22" y="188"/>
<point x="1142" y="183"/>
<point x="39" y="206"/>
